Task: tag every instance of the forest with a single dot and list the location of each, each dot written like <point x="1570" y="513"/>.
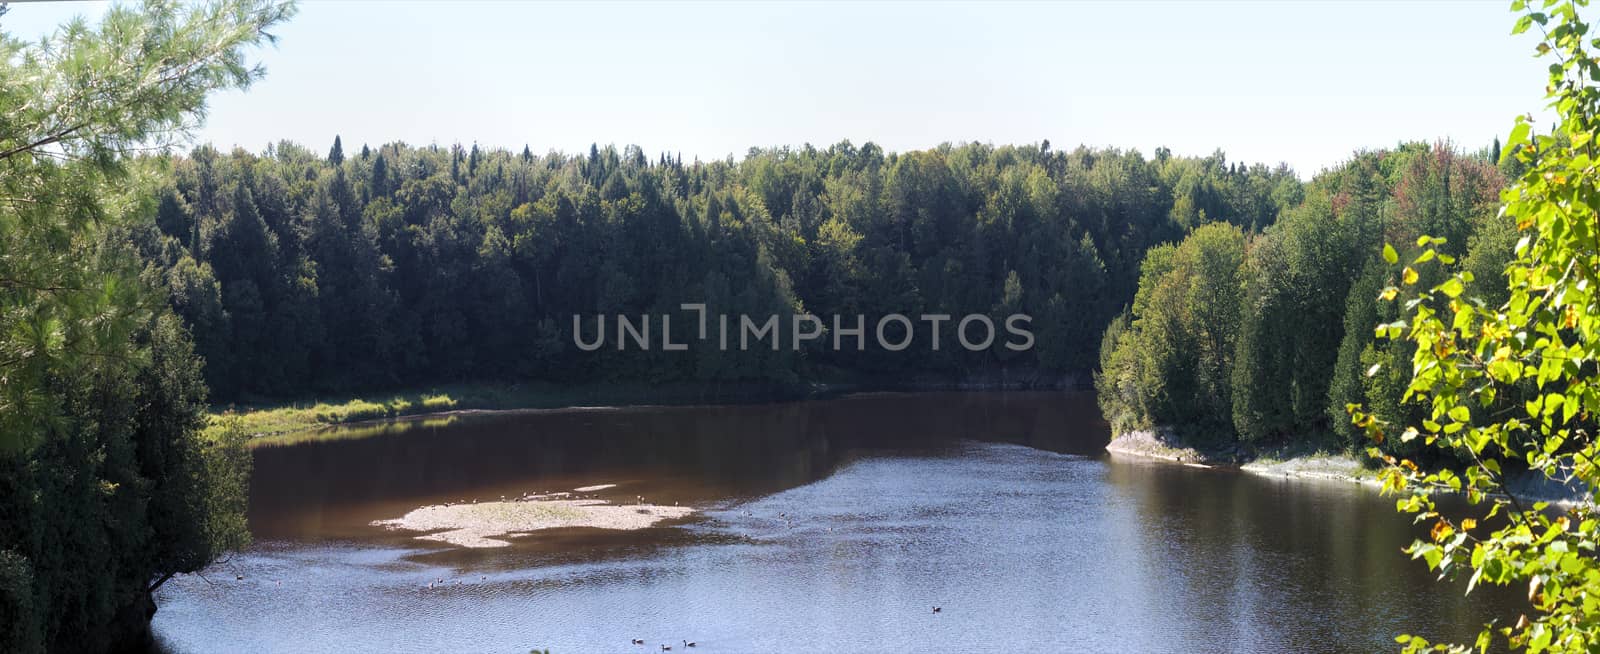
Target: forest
<point x="372" y="268"/>
<point x="1230" y="303"/>
<point x="1261" y="338"/>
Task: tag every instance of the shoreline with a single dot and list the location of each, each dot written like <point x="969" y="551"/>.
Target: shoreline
<point x="1312" y="466"/>
<point x="271" y="418"/>
<point x="1321" y="467"/>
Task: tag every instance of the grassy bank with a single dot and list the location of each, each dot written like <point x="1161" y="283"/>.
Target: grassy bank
<point x="274" y="418"/>
<point x="279" y="417"/>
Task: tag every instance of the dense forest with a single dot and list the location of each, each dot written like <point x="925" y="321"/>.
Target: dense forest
<point x="368" y="268"/>
<point x="1263" y="338"/>
<point x="1239" y="299"/>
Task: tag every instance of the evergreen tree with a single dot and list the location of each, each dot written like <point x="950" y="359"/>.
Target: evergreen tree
<point x="107" y="487"/>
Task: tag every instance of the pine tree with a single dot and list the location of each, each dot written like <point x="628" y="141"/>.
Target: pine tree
<point x="336" y="153"/>
<point x="380" y="176"/>
<point x="107" y="486"/>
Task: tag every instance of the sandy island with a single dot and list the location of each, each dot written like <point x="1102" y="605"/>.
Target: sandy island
<point x="487" y="524"/>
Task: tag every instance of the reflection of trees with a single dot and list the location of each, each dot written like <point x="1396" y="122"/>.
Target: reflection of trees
<point x="690" y="454"/>
<point x="1255" y="558"/>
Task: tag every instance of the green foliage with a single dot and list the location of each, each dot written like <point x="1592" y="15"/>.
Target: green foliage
<point x="1289" y="340"/>
<point x="1172" y="363"/>
<point x="106" y="489"/>
<point x="256" y="421"/>
<point x="1296" y="358"/>
<point x="416" y="266"/>
<point x="1509" y="387"/>
<point x="437" y="403"/>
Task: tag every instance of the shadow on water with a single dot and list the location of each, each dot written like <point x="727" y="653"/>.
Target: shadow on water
<point x="335" y="486"/>
<point x="1313" y="565"/>
<point x="832" y="525"/>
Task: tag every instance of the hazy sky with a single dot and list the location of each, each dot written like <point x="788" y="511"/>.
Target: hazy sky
<point x="1301" y="82"/>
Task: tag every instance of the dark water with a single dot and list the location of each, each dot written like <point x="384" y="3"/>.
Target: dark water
<point x="828" y="526"/>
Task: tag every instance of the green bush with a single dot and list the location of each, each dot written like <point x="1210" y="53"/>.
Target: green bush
<point x="437" y="402"/>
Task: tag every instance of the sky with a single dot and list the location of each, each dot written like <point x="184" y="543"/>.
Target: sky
<point x="1306" y="83"/>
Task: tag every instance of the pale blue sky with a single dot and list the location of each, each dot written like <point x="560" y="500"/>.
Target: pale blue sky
<point x="1301" y="82"/>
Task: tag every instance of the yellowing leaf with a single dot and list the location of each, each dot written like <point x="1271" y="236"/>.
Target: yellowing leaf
<point x="1451" y="287"/>
<point x="1409" y="276"/>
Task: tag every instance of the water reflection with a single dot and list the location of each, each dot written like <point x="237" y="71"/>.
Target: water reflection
<point x="1306" y="564"/>
<point x="333" y="484"/>
<point x="831" y="525"/>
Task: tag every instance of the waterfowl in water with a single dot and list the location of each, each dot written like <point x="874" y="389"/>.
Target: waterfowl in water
<point x="665" y="647"/>
<point x="937" y="609"/>
<point x="688" y="643"/>
<point x="638" y="641"/>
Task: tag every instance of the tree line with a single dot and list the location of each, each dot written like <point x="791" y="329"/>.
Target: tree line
<point x="301" y="272"/>
<point x="1263" y="338"/>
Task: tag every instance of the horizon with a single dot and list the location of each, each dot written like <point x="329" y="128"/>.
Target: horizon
<point x="353" y="149"/>
<point x="1252" y="85"/>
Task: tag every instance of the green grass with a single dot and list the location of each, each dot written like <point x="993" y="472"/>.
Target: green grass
<point x="351" y="431"/>
<point x="275" y="419"/>
<point x="272" y="419"/>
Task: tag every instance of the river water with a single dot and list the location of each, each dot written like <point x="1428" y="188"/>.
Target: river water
<point x="826" y="526"/>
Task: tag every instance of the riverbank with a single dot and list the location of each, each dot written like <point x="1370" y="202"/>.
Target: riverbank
<point x="1314" y="465"/>
<point x="278" y="418"/>
<point x="1308" y="464"/>
<point x="263" y="419"/>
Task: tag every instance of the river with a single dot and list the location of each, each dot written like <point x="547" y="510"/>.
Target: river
<point x="826" y="526"/>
